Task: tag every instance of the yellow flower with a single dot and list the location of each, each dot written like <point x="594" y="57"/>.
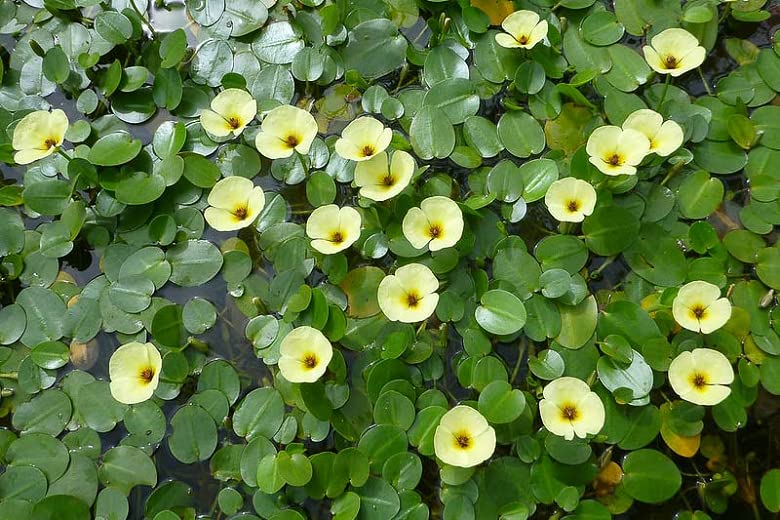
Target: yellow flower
<point x="674" y="51"/>
<point x="231" y="110"/>
<point x="235" y="202"/>
<point x="378" y="182"/>
<point x="305" y="354"/>
<point x="134" y="371"/>
<point x="523" y="30"/>
<point x="570" y="199"/>
<point x="615" y="151"/>
<point x="39" y="134"/>
<point x="333" y="229"/>
<point x="409" y="295"/>
<point x="570" y="409"/>
<point x="699" y="307"/>
<point x="464" y="438"/>
<point x="362" y="139"/>
<point x="700" y="376"/>
<point x="437" y="223"/>
<point x="286" y="129"/>
<point x="664" y="137"/>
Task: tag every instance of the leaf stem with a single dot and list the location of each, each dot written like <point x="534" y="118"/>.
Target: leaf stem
<point x="144" y="18"/>
<point x="704" y="82"/>
<point x="9" y="375"/>
<point x="663" y="94"/>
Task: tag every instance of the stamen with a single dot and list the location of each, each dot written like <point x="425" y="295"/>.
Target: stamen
<point x="337" y="237"/>
<point x="670" y="62"/>
<point x="463" y="440"/>
<point x="233" y="122"/>
<point x="147" y="375"/>
<point x="368" y="151"/>
<point x="615" y="160"/>
<point x="569" y="412"/>
<point x="573" y="206"/>
<point x="434" y="231"/>
<point x="412" y="300"/>
<point x="49" y="143"/>
<point x="292" y="141"/>
<point x="240" y="212"/>
<point x="310" y="361"/>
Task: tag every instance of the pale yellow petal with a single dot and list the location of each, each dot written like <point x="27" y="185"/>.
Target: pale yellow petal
<point x="372" y="172"/>
<point x="58" y="125"/>
<point x="323" y="222"/>
<point x="31" y="155"/>
<point x="520" y="23"/>
<point x="305" y="128"/>
<point x="224" y="220"/>
<point x="709" y="396"/>
<point x="128" y="391"/>
<point x="698" y="292"/>
<point x="633" y="146"/>
<point x="674" y="42"/>
<point x="508" y="41"/>
<point x="416" y="228"/>
<point x="565" y="389"/>
<point x="134" y="372"/>
<point x="446" y="218"/>
<point x="681" y="370"/>
<point x="304" y="355"/>
<point x="646" y="121"/>
<point x="230" y="192"/>
<point x="668" y="139"/>
<point x="592" y="416"/>
<point x="717" y="365"/>
<point x="424" y="310"/>
<point x="418" y="276"/>
<point x="554" y="421"/>
<point x="538" y="34"/>
<point x="349" y="224"/>
<point x="390" y="296"/>
<point x="363" y="138"/>
<point x="603" y="141"/>
<point x="272" y="146"/>
<point x="255" y="203"/>
<point x="690" y="61"/>
<point x="214" y="123"/>
<point x="717" y="314"/>
<point x="654" y="60"/>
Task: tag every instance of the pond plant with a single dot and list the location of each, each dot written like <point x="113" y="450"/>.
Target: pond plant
<point x="389" y="259"/>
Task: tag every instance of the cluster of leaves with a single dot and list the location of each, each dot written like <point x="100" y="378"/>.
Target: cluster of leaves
<point x="106" y="244"/>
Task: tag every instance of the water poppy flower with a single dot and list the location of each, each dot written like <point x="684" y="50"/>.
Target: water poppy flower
<point x="437" y="223"/>
<point x="134" y="372"/>
<point x="570" y="199"/>
<point x="464" y="438"/>
<point x="234" y="203"/>
<point x="409" y="295"/>
<point x="284" y="130"/>
<point x="378" y="181"/>
<point x="674" y="51"/>
<point x="362" y="139"/>
<point x="523" y="30"/>
<point x="665" y="136"/>
<point x="304" y="355"/>
<point x="615" y="151"/>
<point x="698" y="307"/>
<point x="39" y="134"/>
<point x="701" y="376"/>
<point x="333" y="229"/>
<point x="231" y="110"/>
<point x="570" y="409"/>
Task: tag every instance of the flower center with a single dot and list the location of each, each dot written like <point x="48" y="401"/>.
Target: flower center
<point x="310" y="361"/>
<point x="573" y="206"/>
<point x="147" y="374"/>
<point x="434" y="231"/>
<point x="388" y="180"/>
<point x="368" y="151"/>
<point x="615" y="160"/>
<point x="699" y="380"/>
<point x="337" y="237"/>
<point x="569" y="412"/>
<point x="240" y="212"/>
<point x="50" y="143"/>
<point x="670" y="62"/>
<point x="463" y="440"/>
<point x="698" y="312"/>
<point x="412" y="300"/>
<point x="292" y="141"/>
<point x="233" y="122"/>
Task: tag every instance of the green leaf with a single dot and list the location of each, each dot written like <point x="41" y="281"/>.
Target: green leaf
<point x="501" y="312"/>
<point x="125" y="467"/>
<point x="194" y="435"/>
<point x="114" y="149"/>
<point x="650" y="476"/>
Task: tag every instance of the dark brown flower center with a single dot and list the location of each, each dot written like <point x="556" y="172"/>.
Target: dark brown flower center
<point x="310" y="361"/>
<point x="523" y="40"/>
<point x="569" y="412"/>
<point x="670" y="62"/>
<point x="699" y="381"/>
<point x="233" y="122"/>
<point x="240" y="212"/>
<point x="292" y="141"/>
<point x="412" y="300"/>
<point x="388" y="180"/>
<point x="463" y="440"/>
<point x="337" y="237"/>
<point x="368" y="151"/>
<point x="434" y="231"/>
<point x="48" y="143"/>
<point x="614" y="160"/>
<point x="698" y="311"/>
<point x="573" y="206"/>
<point x="147" y="375"/>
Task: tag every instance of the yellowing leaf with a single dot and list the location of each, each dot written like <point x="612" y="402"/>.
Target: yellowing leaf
<point x="497" y="10"/>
